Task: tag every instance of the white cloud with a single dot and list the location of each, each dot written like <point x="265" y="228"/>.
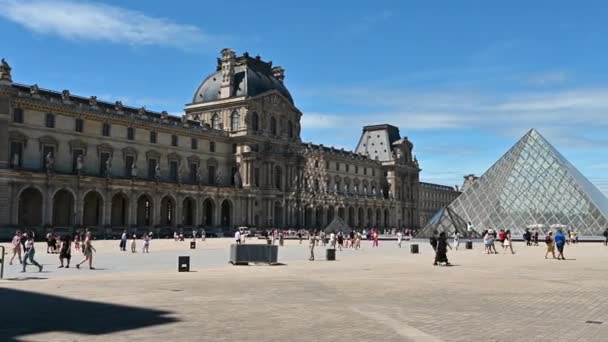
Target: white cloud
<point x="99" y="22"/>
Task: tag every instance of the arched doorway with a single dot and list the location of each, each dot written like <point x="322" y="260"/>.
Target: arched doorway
<point x="278" y="215"/>
<point x="361" y="218"/>
<point x="319" y="217"/>
<point x="167" y="211"/>
<point x="120" y="205"/>
<point x="341" y="213"/>
<point x="63" y="209"/>
<point x="226" y="213"/>
<point x="144" y="211"/>
<point x="92" y="207"/>
<point x="188" y="212"/>
<point x="208" y="210"/>
<point x="30" y="208"/>
<point x="351" y="217"/>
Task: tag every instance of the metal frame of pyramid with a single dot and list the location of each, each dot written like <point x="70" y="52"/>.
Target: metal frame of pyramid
<point x="531" y="186"/>
<point x="337" y="225"/>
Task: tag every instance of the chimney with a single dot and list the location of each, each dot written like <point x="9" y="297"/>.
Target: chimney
<point x="227" y="67"/>
<point x="278" y="73"/>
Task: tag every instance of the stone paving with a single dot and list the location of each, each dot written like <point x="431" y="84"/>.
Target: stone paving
<point x="373" y="294"/>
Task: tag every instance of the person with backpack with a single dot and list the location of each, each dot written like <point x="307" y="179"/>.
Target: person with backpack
<point x="550" y="244"/>
<point x="606" y="237"/>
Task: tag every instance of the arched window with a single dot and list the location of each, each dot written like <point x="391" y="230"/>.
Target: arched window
<point x="255" y="121"/>
<point x="290" y="129"/>
<point x="215" y="121"/>
<point x="234" y="121"/>
<point x="273" y="125"/>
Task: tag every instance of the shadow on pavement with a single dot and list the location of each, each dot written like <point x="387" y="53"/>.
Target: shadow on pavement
<point x="35" y="313"/>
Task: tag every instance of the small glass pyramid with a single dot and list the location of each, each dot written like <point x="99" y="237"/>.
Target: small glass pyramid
<point x="531" y="186"/>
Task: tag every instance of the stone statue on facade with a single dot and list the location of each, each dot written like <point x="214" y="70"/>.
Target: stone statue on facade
<point x="5" y="71"/>
<point x="133" y="170"/>
<point x="157" y="173"/>
<point x="218" y="178"/>
<point x="93" y="101"/>
<point x="79" y="164"/>
<point x="335" y="187"/>
<point x="200" y="176"/>
<point x="181" y="173"/>
<point x="50" y="163"/>
<point x="108" y="168"/>
<point x="237" y="178"/>
<point x="15" y="161"/>
<point x="34" y="90"/>
<point x="118" y="106"/>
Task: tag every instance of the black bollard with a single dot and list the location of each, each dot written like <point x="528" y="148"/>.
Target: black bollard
<point x="330" y="254"/>
<point x="414" y="248"/>
<point x="192" y="244"/>
<point x="469" y="245"/>
<point x="183" y="264"/>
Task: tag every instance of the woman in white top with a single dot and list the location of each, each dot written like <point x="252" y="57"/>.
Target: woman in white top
<point x="16" y="246"/>
<point x="507" y="243"/>
<point x="29" y="254"/>
<point x="456" y="239"/>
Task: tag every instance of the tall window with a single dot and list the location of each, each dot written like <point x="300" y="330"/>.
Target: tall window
<point x="256" y="177"/>
<point x="173" y="165"/>
<point x="79" y="123"/>
<point x="278" y="178"/>
<point x="130" y="133"/>
<point x="234" y="121"/>
<point x="234" y="148"/>
<point x="356" y="169"/>
<point x="50" y="120"/>
<point x="337" y="166"/>
<point x="232" y="173"/>
<point x="273" y="125"/>
<point x="193" y="172"/>
<point x="365" y="171"/>
<point x="105" y="130"/>
<point x="290" y="129"/>
<point x="16" y="154"/>
<point x="129" y="161"/>
<point x="194" y="143"/>
<point x="75" y="155"/>
<point x="347" y="168"/>
<point x="18" y="115"/>
<point x="215" y="121"/>
<point x="151" y="168"/>
<point x="152" y="137"/>
<point x="174" y="140"/>
<point x="211" y="174"/>
<point x="255" y="121"/>
<point x="103" y="158"/>
<point x="211" y="146"/>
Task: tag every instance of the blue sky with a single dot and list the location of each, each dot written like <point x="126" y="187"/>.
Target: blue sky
<point x="462" y="79"/>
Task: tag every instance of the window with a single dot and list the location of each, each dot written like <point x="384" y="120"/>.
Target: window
<point x="75" y="155"/>
<point x="347" y="168"/>
<point x="365" y="171"/>
<point x="327" y="165"/>
<point x="174" y="140"/>
<point x="18" y="115"/>
<point x="211" y="146"/>
<point x="278" y="177"/>
<point x="273" y="125"/>
<point x="232" y="173"/>
<point x="211" y="174"/>
<point x="290" y="129"/>
<point x="373" y="172"/>
<point x="46" y="149"/>
<point x="79" y="125"/>
<point x="256" y="176"/>
<point x="234" y="121"/>
<point x="193" y="172"/>
<point x="356" y="169"/>
<point x="16" y="154"/>
<point x="234" y="148"/>
<point x="152" y="137"/>
<point x="173" y="165"/>
<point x="255" y="121"/>
<point x="105" y="130"/>
<point x="151" y="168"/>
<point x="129" y="161"/>
<point x="194" y="143"/>
<point x="130" y="133"/>
<point x="50" y="120"/>
<point x="215" y="121"/>
<point x="337" y="166"/>
<point x="103" y="158"/>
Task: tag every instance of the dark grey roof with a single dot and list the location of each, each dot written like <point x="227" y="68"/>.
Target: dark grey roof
<point x="247" y="82"/>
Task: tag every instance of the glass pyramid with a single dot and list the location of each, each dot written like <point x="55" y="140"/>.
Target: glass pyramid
<point x="531" y="186"/>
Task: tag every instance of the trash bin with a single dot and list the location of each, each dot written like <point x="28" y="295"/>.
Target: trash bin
<point x="469" y="245"/>
<point x="280" y="242"/>
<point x="183" y="264"/>
<point x="268" y="242"/>
<point x="414" y="248"/>
<point x="192" y="244"/>
<point x="331" y="254"/>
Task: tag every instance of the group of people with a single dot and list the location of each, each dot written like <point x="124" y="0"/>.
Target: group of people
<point x="146" y="242"/>
<point x="25" y="243"/>
<point x="490" y="236"/>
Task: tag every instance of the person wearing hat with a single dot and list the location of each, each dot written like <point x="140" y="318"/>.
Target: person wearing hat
<point x="550" y="244"/>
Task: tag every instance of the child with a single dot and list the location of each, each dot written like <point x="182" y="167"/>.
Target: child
<point x="77" y="241"/>
<point x="64" y="251"/>
<point x="146" y="248"/>
<point x="133" y="243"/>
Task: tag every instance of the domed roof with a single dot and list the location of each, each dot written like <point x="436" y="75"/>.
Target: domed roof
<point x="251" y="77"/>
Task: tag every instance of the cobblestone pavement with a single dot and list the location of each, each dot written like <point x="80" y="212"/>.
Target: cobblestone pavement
<point x="373" y="294"/>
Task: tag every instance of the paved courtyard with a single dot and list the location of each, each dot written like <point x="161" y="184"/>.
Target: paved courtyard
<point x="372" y="294"/>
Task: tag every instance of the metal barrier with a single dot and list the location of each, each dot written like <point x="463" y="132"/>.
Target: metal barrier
<point x="1" y="262"/>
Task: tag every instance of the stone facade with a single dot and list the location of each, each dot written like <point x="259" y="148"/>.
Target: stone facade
<point x="433" y="197"/>
<point x="234" y="158"/>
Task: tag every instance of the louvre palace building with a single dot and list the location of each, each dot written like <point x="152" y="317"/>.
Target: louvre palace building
<point x="234" y="158"/>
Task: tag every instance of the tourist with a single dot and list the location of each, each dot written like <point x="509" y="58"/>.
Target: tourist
<point x="606" y="237"/>
<point x="433" y="241"/>
<point x="528" y="237"/>
<point x="203" y="234"/>
<point x="65" y="251"/>
<point x="237" y="237"/>
<point x="340" y="241"/>
<point x="87" y="250"/>
<point x="535" y="237"/>
<point x="488" y="241"/>
<point x="560" y="241"/>
<point x="493" y="245"/>
<point x="50" y="243"/>
<point x="456" y="239"/>
<point x="351" y="239"/>
<point x="281" y="241"/>
<point x="123" y="241"/>
<point x="77" y="241"/>
<point x="501" y="237"/>
<point x="193" y="234"/>
<point x="375" y="238"/>
<point x="134" y="244"/>
<point x="311" y="246"/>
<point x="175" y="236"/>
<point x="569" y="237"/>
<point x="146" y="248"/>
<point x="358" y="240"/>
<point x="322" y="236"/>
<point x="442" y="249"/>
<point x="550" y="244"/>
<point x="16" y="247"/>
<point x="332" y="240"/>
<point x="30" y="251"/>
<point x="508" y="244"/>
<point x="300" y="236"/>
<point x="399" y="238"/>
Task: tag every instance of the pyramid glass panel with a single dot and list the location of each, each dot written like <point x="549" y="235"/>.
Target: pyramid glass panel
<point x="532" y="186"/>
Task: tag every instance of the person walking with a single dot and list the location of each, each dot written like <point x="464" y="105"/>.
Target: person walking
<point x="30" y="251"/>
<point x="134" y="244"/>
<point x="550" y="245"/>
<point x="146" y="248"/>
<point x="560" y="241"/>
<point x="87" y="250"/>
<point x="203" y="234"/>
<point x="535" y="237"/>
<point x="441" y="255"/>
<point x="237" y="237"/>
<point x="606" y="237"/>
<point x="123" y="241"/>
<point x="77" y="241"/>
<point x="65" y="251"/>
<point x="311" y="246"/>
<point x="399" y="238"/>
<point x="332" y="240"/>
<point x="340" y="241"/>
<point x="300" y="236"/>
<point x="16" y="247"/>
<point x="528" y="237"/>
<point x="508" y="244"/>
<point x="375" y="238"/>
<point x="433" y="241"/>
<point x="456" y="239"/>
